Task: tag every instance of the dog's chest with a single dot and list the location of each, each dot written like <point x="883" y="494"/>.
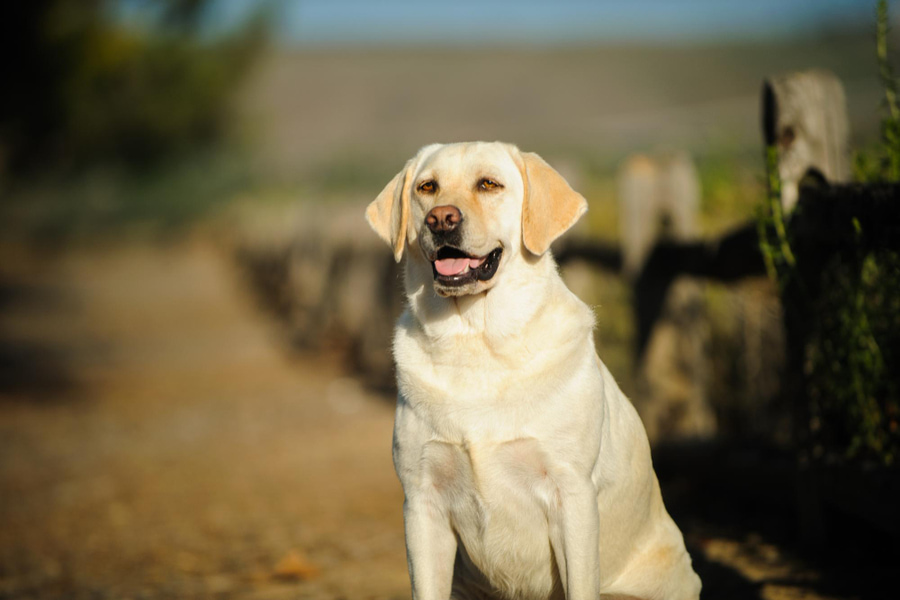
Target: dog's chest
<point x="499" y="498"/>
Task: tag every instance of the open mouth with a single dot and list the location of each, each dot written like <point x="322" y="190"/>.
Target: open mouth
<point x="452" y="267"/>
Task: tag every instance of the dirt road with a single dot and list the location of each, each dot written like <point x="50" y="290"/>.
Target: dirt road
<point x="156" y="441"/>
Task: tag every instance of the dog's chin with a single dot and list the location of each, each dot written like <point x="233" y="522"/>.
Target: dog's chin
<point x="467" y="289"/>
<point x="477" y="274"/>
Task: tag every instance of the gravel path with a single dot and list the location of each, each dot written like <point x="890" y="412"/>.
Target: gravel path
<point x="157" y="442"/>
<point x="179" y="453"/>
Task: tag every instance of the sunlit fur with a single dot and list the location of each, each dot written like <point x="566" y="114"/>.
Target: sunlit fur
<point x="526" y="471"/>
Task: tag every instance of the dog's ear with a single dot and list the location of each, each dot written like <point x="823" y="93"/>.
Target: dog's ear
<point x="388" y="214"/>
<point x="550" y="207"/>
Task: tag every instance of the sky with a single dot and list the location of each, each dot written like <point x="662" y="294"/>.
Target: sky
<point x="417" y="22"/>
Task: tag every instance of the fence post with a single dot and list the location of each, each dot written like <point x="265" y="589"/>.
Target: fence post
<point x="659" y="200"/>
<point x="805" y="114"/>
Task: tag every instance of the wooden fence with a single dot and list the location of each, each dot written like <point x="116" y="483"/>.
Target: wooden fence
<point x="333" y="285"/>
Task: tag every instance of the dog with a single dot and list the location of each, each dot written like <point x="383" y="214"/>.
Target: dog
<point x="526" y="472"/>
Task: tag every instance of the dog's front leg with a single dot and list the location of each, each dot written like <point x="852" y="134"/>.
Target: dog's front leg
<point x="430" y="550"/>
<point x="574" y="537"/>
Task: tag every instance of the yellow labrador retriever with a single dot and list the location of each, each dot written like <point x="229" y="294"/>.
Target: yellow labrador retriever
<point x="526" y="471"/>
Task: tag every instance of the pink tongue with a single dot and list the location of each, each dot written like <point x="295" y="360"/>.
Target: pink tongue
<point x="455" y="266"/>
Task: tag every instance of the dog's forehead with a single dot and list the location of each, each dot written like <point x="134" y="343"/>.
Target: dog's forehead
<point x="469" y="160"/>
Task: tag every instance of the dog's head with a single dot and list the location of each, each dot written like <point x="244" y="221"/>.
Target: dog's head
<point x="469" y="209"/>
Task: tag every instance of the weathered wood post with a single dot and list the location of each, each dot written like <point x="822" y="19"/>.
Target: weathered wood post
<point x="659" y="199"/>
<point x="805" y="114"/>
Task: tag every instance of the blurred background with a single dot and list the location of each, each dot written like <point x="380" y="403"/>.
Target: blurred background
<point x="196" y="386"/>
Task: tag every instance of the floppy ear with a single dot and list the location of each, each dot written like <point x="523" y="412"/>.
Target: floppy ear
<point x="388" y="214"/>
<point x="550" y="207"/>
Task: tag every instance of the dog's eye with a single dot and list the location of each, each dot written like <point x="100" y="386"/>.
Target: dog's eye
<point x="427" y="187"/>
<point x="488" y="184"/>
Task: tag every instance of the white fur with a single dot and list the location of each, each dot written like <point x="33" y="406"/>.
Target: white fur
<point x="526" y="471"/>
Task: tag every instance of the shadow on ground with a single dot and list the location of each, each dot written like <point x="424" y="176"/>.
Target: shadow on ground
<point x="30" y="368"/>
<point x="740" y="511"/>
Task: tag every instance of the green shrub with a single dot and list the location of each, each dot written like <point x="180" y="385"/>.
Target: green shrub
<point x="850" y="327"/>
<point x="86" y="88"/>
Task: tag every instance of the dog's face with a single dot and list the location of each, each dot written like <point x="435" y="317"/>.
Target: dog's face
<point x="465" y="211"/>
<point x="466" y="207"/>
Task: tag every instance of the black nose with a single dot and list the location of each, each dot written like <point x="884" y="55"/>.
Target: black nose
<point x="442" y="219"/>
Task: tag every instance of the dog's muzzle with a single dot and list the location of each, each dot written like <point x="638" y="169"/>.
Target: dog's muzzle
<point x="452" y="267"/>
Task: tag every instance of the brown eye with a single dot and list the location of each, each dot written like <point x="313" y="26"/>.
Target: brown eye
<point x="488" y="184"/>
<point x="427" y="187"/>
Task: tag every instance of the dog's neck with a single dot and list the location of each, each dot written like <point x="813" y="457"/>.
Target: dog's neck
<point x="528" y="288"/>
